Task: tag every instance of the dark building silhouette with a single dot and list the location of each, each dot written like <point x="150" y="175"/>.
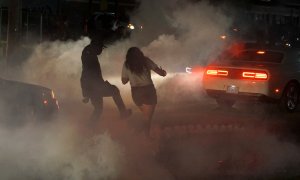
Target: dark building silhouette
<point x="32" y="21"/>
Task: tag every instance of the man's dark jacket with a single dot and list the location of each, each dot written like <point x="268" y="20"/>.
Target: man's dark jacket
<point x="91" y="76"/>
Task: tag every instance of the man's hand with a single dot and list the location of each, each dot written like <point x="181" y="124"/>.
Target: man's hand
<point x="85" y="100"/>
<point x="124" y="80"/>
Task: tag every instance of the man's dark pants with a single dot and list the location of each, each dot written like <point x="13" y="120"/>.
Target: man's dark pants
<point x="105" y="90"/>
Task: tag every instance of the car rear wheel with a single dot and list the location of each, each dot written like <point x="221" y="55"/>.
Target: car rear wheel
<point x="225" y="102"/>
<point x="290" y="97"/>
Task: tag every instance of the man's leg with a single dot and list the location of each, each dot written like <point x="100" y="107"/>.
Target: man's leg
<point x="112" y="90"/>
<point x="98" y="108"/>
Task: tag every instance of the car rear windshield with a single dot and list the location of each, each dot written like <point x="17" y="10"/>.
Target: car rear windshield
<point x="259" y="56"/>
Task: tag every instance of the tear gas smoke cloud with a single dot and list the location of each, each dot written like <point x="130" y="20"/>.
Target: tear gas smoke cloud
<point x="181" y="36"/>
<point x="57" y="65"/>
<point x="175" y="35"/>
<point x="246" y="154"/>
<point x="196" y="38"/>
<point x="55" y="151"/>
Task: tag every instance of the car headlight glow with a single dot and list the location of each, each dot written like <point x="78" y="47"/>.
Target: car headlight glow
<point x="188" y="70"/>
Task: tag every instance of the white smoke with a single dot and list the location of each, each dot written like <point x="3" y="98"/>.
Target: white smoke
<point x="55" y="151"/>
<point x="178" y="35"/>
<point x="175" y="35"/>
<point x="183" y="33"/>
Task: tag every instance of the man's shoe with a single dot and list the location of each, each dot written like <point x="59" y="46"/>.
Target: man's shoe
<point x="126" y="113"/>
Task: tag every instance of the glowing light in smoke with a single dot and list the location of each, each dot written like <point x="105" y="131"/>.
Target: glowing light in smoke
<point x="188" y="70"/>
<point x="131" y="26"/>
<point x="223" y="37"/>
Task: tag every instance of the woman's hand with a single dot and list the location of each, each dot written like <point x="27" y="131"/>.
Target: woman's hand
<point x="160" y="71"/>
<point x="164" y="73"/>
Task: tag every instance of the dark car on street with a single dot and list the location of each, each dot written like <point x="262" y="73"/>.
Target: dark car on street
<point x="21" y="101"/>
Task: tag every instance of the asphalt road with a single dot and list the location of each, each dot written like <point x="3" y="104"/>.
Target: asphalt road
<point x="191" y="138"/>
<point x="199" y="139"/>
<point x="195" y="138"/>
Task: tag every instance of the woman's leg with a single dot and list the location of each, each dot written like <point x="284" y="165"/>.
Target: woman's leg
<point x="148" y="111"/>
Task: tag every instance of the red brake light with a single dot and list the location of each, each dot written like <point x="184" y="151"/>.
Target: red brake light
<point x="216" y="72"/>
<point x="212" y="72"/>
<point x="237" y="73"/>
<point x="255" y="75"/>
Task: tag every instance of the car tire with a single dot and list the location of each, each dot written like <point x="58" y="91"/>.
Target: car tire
<point x="227" y="103"/>
<point x="290" y="97"/>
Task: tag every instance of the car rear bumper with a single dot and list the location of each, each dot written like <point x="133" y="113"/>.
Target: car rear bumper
<point x="239" y="96"/>
<point x="244" y="86"/>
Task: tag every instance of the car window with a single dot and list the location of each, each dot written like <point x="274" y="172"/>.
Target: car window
<point x="258" y="56"/>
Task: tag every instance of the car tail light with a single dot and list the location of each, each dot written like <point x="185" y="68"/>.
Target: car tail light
<point x="48" y="97"/>
<point x="216" y="72"/>
<point x="233" y="73"/>
<point x="255" y="75"/>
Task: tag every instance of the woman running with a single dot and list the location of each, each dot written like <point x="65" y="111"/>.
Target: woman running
<point x="137" y="70"/>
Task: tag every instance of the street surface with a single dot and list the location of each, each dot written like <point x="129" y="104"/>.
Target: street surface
<point x="192" y="137"/>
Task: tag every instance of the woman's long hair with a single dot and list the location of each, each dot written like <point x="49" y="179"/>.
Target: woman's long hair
<point x="135" y="60"/>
